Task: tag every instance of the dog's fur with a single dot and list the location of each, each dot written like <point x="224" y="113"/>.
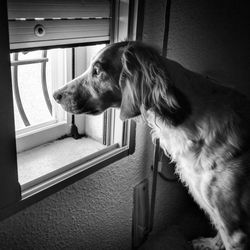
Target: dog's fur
<point x="204" y="127"/>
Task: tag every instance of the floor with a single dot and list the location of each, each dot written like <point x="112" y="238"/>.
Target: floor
<point x="194" y="224"/>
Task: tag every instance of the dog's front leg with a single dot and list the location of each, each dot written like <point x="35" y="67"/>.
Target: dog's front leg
<point x="236" y="240"/>
<point x="208" y="243"/>
<point x="227" y="212"/>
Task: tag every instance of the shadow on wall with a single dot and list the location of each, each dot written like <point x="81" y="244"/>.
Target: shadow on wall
<point x="212" y="37"/>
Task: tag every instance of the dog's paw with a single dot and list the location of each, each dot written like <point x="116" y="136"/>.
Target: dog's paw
<point x="208" y="244"/>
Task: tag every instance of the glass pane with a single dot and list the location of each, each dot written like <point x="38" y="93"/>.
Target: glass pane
<point x="30" y="86"/>
<point x="56" y="76"/>
<point x="30" y="55"/>
<point x="94" y="124"/>
<point x="29" y="76"/>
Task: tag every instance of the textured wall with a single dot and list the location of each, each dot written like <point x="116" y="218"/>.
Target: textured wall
<point x="213" y="38"/>
<point x="94" y="213"/>
<point x="154" y="22"/>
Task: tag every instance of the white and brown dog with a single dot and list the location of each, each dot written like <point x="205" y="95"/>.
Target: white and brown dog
<point x="203" y="126"/>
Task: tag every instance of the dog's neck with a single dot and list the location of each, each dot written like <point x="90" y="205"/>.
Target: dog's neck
<point x="174" y="141"/>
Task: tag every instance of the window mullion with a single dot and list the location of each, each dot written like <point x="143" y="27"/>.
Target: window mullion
<point x="29" y="61"/>
<point x="107" y="120"/>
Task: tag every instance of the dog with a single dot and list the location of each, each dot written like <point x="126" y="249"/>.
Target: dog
<point x="203" y="126"/>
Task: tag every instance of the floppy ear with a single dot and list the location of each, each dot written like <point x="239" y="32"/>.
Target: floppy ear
<point x="144" y="83"/>
<point x="129" y="106"/>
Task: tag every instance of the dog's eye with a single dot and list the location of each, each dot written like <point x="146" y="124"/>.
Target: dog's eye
<point x="96" y="70"/>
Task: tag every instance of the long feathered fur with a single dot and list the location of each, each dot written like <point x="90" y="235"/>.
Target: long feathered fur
<point x="152" y="89"/>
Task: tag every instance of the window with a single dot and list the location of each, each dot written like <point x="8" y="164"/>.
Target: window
<point x="35" y="76"/>
<point x="40" y="121"/>
<point x="49" y="45"/>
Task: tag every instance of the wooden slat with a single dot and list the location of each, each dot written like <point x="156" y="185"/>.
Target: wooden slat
<point x="57" y="32"/>
<point x="58" y="9"/>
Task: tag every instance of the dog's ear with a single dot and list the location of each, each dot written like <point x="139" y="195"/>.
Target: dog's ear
<point x="144" y="83"/>
<point x="129" y="105"/>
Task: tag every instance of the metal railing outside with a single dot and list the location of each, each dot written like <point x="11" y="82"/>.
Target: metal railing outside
<point x="15" y="63"/>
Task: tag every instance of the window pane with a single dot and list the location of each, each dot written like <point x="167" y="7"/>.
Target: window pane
<point x="35" y="75"/>
<point x="94" y="127"/>
<point x="30" y="55"/>
<point x="30" y="86"/>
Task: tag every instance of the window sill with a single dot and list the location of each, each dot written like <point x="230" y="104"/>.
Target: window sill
<point x="41" y="162"/>
<point x="72" y="173"/>
<point x="48" y="165"/>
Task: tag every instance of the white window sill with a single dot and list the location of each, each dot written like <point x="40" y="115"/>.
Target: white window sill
<point x="41" y="161"/>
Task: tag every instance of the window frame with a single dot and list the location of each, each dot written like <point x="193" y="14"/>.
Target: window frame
<point x="120" y="30"/>
<point x="38" y="134"/>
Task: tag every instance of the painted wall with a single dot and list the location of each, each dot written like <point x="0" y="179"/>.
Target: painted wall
<point x="209" y="37"/>
<point x="213" y="38"/>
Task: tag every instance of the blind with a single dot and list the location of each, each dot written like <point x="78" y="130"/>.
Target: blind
<point x="46" y="23"/>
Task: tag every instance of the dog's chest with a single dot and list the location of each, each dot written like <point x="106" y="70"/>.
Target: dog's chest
<point x="178" y="146"/>
<point x="174" y="141"/>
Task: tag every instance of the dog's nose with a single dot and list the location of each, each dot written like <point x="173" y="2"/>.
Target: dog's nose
<point x="57" y="96"/>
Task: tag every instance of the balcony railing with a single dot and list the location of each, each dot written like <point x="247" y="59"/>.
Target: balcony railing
<point x="15" y="63"/>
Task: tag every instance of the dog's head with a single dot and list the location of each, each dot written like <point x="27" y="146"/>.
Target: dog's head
<point x="129" y="75"/>
<point x="97" y="88"/>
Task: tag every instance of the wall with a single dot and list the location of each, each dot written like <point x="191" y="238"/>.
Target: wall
<point x="173" y="204"/>
<point x="209" y="37"/>
<point x="213" y="38"/>
<point x="94" y="213"/>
